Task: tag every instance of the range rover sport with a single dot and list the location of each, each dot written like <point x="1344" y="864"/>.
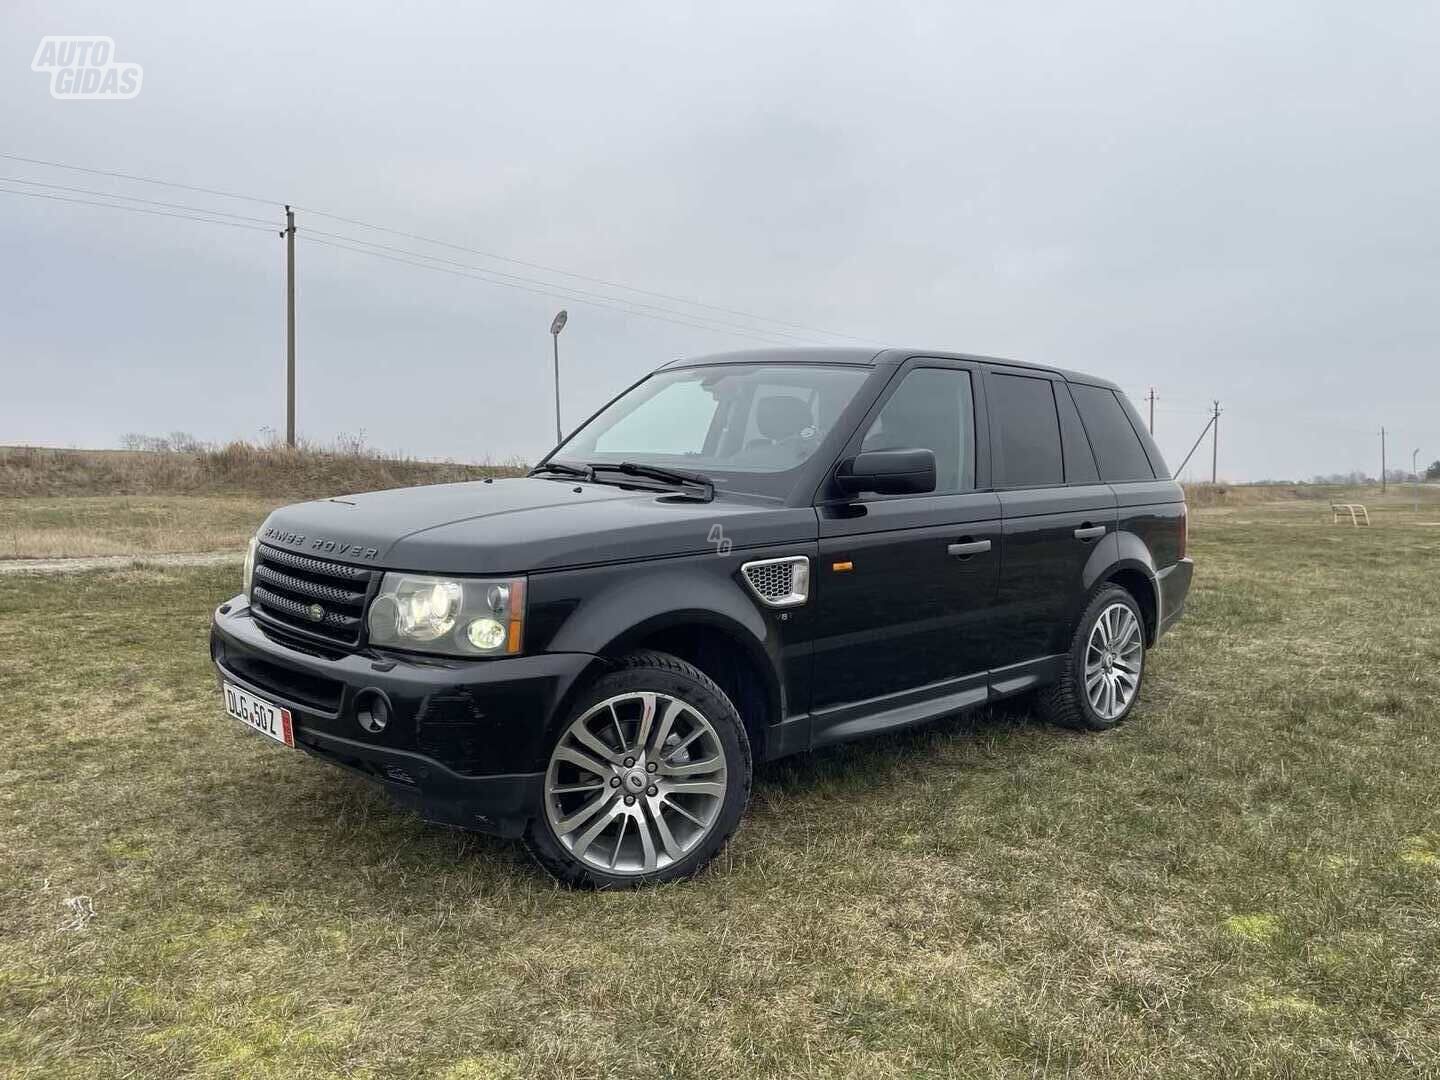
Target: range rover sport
<point x="740" y="557"/>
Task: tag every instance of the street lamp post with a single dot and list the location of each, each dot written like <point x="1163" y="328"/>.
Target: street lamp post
<point x="556" y="325"/>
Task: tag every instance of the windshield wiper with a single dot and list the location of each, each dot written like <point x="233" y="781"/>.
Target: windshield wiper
<point x="585" y="473"/>
<point x="655" y="472"/>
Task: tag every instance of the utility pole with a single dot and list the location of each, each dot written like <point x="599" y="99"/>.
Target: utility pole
<point x="1382" y="461"/>
<point x="289" y="235"/>
<point x="1152" y="412"/>
<point x="1196" y="445"/>
<point x="1215" y="446"/>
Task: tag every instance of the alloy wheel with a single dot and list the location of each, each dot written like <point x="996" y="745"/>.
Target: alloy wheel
<point x="635" y="783"/>
<point x="1114" y="657"/>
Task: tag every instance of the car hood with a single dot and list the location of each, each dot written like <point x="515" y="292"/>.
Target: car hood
<point x="526" y="523"/>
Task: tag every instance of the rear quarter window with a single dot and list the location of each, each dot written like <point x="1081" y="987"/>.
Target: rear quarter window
<point x="1118" y="450"/>
<point x="1079" y="461"/>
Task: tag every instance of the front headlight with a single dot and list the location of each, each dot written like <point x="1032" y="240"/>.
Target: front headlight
<point x="453" y="616"/>
<point x="248" y="576"/>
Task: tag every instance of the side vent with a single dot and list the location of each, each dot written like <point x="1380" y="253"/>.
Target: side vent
<point x="779" y="583"/>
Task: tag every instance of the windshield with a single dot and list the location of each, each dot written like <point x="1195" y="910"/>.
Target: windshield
<point x="745" y="426"/>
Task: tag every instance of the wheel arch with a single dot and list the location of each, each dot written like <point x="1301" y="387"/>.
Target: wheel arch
<point x="725" y="652"/>
<point x="720" y="645"/>
<point x="1124" y="559"/>
<point x="1139" y="581"/>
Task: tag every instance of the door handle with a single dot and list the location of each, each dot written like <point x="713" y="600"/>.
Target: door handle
<point x="966" y="548"/>
<point x="1089" y="532"/>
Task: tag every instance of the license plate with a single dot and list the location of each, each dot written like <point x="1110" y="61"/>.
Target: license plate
<point x="269" y="720"/>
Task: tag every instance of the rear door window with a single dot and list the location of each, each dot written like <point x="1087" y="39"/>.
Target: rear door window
<point x="1023" y="416"/>
<point x="1118" y="450"/>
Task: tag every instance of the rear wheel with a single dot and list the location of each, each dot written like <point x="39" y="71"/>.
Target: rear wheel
<point x="646" y="780"/>
<point x="1100" y="681"/>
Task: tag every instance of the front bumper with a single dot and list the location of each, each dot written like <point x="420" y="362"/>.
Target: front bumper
<point x="466" y="739"/>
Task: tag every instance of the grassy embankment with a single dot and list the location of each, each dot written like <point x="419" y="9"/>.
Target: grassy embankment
<point x="56" y="503"/>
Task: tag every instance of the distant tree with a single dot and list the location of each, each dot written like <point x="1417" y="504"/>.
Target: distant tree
<point x="181" y="442"/>
<point x="1351" y="479"/>
<point x="1433" y="471"/>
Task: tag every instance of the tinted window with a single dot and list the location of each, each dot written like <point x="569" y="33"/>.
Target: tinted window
<point x="1079" y="461"/>
<point x="1157" y="463"/>
<point x="1022" y="410"/>
<point x="932" y="409"/>
<point x="1117" y="448"/>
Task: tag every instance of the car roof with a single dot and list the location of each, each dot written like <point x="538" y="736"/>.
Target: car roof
<point x="869" y="357"/>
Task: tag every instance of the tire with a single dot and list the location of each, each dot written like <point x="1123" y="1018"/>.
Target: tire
<point x="1068" y="702"/>
<point x="606" y="824"/>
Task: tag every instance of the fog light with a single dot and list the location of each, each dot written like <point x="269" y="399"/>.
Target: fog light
<point x="486" y="634"/>
<point x="372" y="713"/>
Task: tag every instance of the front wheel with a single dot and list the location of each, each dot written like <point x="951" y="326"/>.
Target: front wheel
<point x="647" y="778"/>
<point x="1100" y="681"/>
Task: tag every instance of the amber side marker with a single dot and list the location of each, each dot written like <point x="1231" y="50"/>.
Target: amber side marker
<point x="842" y="567"/>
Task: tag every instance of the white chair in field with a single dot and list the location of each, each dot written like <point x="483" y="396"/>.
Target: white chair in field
<point x="1355" y="510"/>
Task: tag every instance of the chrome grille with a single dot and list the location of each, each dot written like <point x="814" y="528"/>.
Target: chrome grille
<point x="312" y="596"/>
<point x="779" y="582"/>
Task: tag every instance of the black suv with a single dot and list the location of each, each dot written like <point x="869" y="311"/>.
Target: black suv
<point x="740" y="557"/>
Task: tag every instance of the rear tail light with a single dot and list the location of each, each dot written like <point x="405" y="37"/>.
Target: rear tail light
<point x="1184" y="529"/>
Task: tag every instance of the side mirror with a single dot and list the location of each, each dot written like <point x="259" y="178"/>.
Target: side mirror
<point x="888" y="472"/>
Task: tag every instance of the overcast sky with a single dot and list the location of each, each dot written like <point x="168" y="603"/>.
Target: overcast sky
<point x="1233" y="201"/>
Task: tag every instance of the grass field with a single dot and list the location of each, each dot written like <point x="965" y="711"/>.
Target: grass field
<point x="1242" y="881"/>
<point x="62" y="503"/>
<point x="128" y="525"/>
<point x="269" y="470"/>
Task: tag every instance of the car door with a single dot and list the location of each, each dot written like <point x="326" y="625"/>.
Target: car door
<point x="1056" y="512"/>
<point x="905" y="583"/>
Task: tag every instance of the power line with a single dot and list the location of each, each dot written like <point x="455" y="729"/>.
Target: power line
<point x="558" y="292"/>
<point x="421" y="259"/>
<point x="140" y="179"/>
<point x="630" y="306"/>
<point x="136" y="178"/>
<point x="190" y="212"/>
<point x="635" y="305"/>
<point x="133" y="209"/>
<point x="136" y="199"/>
<point x="584" y="277"/>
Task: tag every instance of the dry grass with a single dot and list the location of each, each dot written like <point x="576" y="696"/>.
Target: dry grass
<point x="127" y="525"/>
<point x="239" y="468"/>
<point x="1308" y="497"/>
<point x="1205" y="496"/>
<point x="1243" y="881"/>
<point x="57" y="503"/>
